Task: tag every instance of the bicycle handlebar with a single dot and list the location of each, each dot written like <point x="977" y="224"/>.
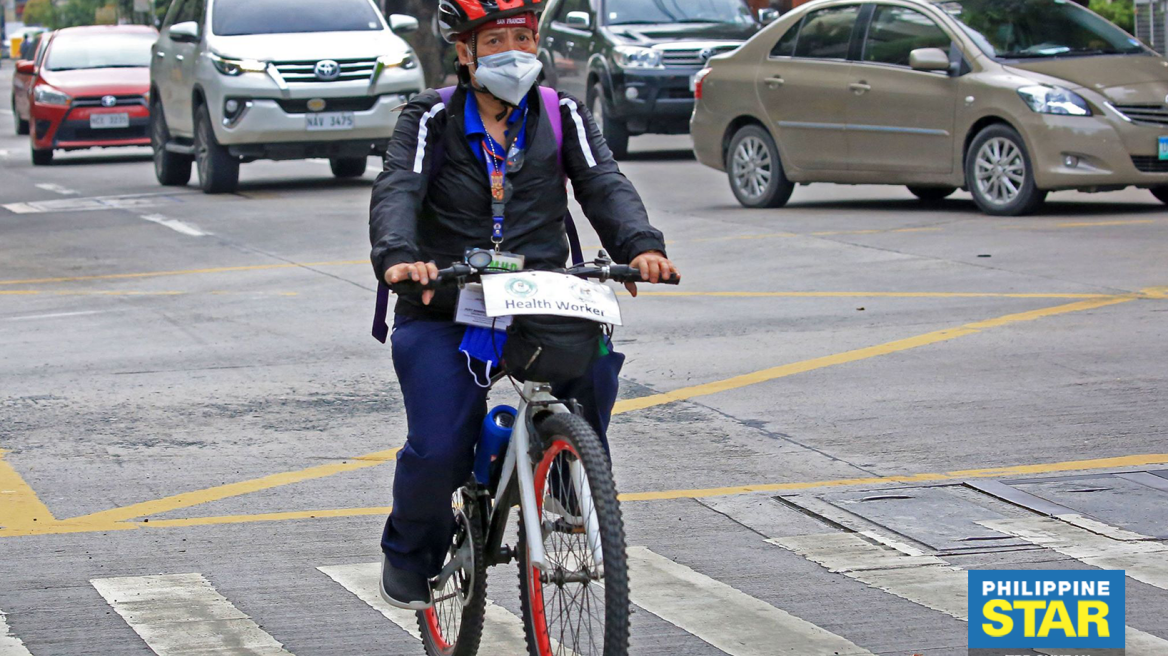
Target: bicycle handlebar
<point x="459" y="273"/>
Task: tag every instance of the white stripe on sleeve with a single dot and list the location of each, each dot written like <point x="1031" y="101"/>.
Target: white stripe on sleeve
<point x="581" y="133"/>
<point x="423" y="134"/>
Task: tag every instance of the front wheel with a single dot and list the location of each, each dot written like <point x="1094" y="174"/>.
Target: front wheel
<point x="218" y="170"/>
<point x="348" y="167"/>
<point x="755" y="170"/>
<point x="453" y="626"/>
<point x="1161" y="193"/>
<point x="578" y="604"/>
<point x="171" y="169"/>
<point x="999" y="173"/>
<point x="41" y="157"/>
<point x="616" y="133"/>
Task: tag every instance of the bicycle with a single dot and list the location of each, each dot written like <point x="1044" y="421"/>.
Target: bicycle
<point x="573" y="571"/>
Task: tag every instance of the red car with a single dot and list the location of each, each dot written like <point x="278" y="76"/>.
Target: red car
<point x="90" y="90"/>
<point x="31" y="49"/>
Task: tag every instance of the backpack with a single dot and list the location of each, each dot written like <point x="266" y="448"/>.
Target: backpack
<point x="551" y="106"/>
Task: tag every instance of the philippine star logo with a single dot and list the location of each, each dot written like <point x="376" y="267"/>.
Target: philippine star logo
<point x="521" y="288"/>
<point x="1014" y="611"/>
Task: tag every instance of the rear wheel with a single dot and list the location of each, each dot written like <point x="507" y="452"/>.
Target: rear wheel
<point x="577" y="605"/>
<point x="171" y="169"/>
<point x="932" y="194"/>
<point x="616" y="133"/>
<point x="348" y="167"/>
<point x="21" y="124"/>
<point x="1161" y="193"/>
<point x="453" y="626"/>
<point x="218" y="170"/>
<point x="755" y="170"/>
<point x="999" y="173"/>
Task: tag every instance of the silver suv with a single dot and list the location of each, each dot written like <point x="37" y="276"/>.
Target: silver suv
<point x="233" y="81"/>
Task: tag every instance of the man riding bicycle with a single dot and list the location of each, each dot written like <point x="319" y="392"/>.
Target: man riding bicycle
<point x="483" y="168"/>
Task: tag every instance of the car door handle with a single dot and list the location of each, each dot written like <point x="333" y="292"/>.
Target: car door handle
<point x="774" y="82"/>
<point x="859" y="88"/>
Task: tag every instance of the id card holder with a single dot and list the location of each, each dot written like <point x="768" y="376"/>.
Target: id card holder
<point x="507" y="262"/>
<point x="472" y="309"/>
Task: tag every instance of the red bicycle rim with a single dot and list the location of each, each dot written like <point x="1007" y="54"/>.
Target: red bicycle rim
<point x="535" y="588"/>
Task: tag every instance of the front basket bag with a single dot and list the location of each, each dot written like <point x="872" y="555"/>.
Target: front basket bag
<point x="551" y="349"/>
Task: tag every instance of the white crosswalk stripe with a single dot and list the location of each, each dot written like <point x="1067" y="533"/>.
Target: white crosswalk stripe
<point x="1142" y="558"/>
<point x="728" y="619"/>
<point x="925" y="580"/>
<point x="10" y="645"/>
<point x="502" y="632"/>
<point x="183" y="614"/>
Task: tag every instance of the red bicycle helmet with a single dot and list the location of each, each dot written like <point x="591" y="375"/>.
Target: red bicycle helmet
<point x="457" y="18"/>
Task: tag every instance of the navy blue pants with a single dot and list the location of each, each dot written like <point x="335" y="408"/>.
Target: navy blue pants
<point x="445" y="410"/>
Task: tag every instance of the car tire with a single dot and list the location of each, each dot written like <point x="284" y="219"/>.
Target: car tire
<point x="41" y="157"/>
<point x="999" y="173"/>
<point x="1161" y="193"/>
<point x="171" y="169"/>
<point x="22" y="126"/>
<point x="755" y="169"/>
<point x="932" y="194"/>
<point x="348" y="167"/>
<point x="615" y="132"/>
<point x="218" y="170"/>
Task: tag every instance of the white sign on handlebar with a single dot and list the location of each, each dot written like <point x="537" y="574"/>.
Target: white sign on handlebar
<point x="545" y="292"/>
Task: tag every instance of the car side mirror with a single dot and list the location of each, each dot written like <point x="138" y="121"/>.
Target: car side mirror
<point x="928" y="59"/>
<point x="579" y="20"/>
<point x="768" y="16"/>
<point x="187" y="32"/>
<point x="26" y="67"/>
<point x="402" y="24"/>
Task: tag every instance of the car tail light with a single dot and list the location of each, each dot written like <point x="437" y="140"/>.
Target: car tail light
<point x="698" y="80"/>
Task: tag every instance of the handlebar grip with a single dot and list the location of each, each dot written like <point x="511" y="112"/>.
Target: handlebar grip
<point x="622" y="273"/>
<point x="445" y="277"/>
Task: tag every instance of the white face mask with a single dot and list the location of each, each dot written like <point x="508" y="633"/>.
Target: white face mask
<point x="509" y="75"/>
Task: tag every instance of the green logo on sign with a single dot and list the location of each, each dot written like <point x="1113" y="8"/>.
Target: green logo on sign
<point x="521" y="288"/>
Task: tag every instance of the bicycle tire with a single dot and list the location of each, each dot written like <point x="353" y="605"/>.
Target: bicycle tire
<point x="439" y="619"/>
<point x="567" y="437"/>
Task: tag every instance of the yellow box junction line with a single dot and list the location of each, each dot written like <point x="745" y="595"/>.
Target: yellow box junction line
<point x="119" y="518"/>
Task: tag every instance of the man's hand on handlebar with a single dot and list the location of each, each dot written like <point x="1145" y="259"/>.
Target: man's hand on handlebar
<point x="419" y="272"/>
<point x="654" y="267"/>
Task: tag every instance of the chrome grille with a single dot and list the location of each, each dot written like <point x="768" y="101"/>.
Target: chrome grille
<point x="122" y="101"/>
<point x="304" y="71"/>
<point x="1145" y="114"/>
<point x="691" y="57"/>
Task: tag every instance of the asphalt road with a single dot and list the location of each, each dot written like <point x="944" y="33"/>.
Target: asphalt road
<point x="869" y="396"/>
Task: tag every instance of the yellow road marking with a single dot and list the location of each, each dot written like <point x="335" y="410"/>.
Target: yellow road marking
<point x="934" y="337"/>
<point x="20" y="507"/>
<point x="184" y="272"/>
<point x="871" y="232"/>
<point x="1093" y="224"/>
<point x="702" y="493"/>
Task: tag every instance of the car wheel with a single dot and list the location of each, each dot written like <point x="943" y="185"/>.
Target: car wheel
<point x="615" y="132"/>
<point x="41" y="157"/>
<point x="756" y="171"/>
<point x="932" y="194"/>
<point x="171" y="169"/>
<point x="1161" y="193"/>
<point x="218" y="170"/>
<point x="999" y="174"/>
<point x="348" y="167"/>
<point x="21" y="124"/>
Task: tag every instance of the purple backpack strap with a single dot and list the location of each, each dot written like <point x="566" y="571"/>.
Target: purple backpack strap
<point x="551" y="106"/>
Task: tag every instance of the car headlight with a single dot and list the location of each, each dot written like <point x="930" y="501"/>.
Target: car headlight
<point x="637" y="57"/>
<point x="234" y="67"/>
<point x="46" y="95"/>
<point x="1054" y="100"/>
<point x="407" y="61"/>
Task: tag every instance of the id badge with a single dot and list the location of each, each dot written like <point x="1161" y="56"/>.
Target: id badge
<point x="507" y="262"/>
<point x="472" y="309"/>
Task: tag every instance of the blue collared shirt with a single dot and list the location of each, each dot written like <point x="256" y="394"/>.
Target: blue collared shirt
<point x="476" y="131"/>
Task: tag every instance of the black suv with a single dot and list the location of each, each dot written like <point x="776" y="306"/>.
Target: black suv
<point x="633" y="61"/>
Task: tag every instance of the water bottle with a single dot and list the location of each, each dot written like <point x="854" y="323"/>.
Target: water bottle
<point x="493" y="441"/>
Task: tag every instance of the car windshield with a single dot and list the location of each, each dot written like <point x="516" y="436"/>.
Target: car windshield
<point x="73" y="52"/>
<point x="1031" y="29"/>
<point x="242" y="17"/>
<point x="636" y="12"/>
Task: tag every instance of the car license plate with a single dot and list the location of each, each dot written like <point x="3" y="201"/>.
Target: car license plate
<point x="1164" y="148"/>
<point x="108" y="121"/>
<point x="330" y="121"/>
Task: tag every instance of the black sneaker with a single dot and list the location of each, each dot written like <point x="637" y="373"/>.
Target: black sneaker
<point x="403" y="588"/>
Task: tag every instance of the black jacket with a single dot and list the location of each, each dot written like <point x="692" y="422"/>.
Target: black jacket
<point x="420" y="214"/>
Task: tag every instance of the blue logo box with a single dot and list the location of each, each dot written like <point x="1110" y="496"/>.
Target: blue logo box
<point x="1028" y="609"/>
